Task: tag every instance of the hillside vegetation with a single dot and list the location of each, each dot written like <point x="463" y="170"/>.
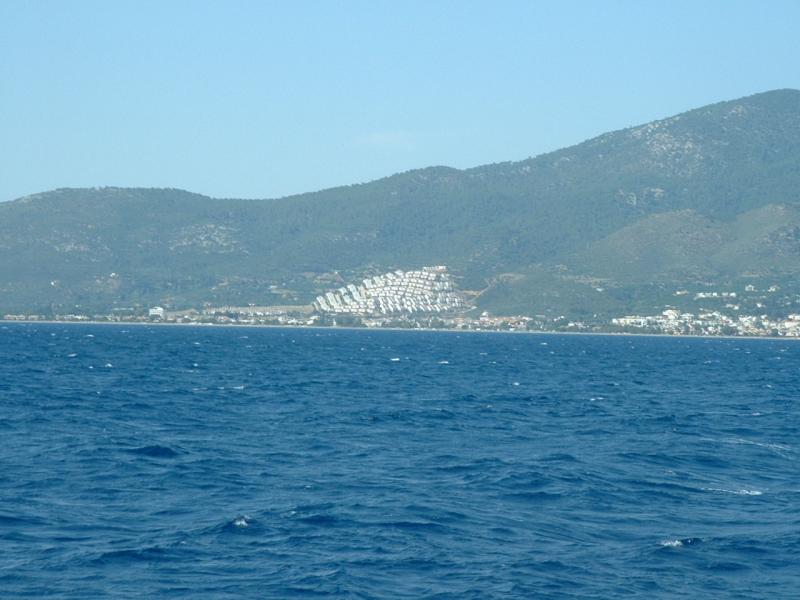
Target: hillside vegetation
<point x="615" y="224"/>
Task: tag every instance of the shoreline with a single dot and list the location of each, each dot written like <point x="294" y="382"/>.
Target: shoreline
<point x="395" y="329"/>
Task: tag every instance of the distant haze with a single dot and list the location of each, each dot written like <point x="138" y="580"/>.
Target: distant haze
<point x="257" y="100"/>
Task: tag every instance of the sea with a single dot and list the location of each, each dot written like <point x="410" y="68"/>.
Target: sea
<point x="232" y="462"/>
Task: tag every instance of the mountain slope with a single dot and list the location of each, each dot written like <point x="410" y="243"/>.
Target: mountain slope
<point x="709" y="195"/>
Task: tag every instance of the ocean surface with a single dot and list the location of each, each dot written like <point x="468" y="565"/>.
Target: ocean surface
<point x="192" y="462"/>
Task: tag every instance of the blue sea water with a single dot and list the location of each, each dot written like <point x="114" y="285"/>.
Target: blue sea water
<point x="190" y="462"/>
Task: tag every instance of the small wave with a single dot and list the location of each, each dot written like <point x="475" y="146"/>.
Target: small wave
<point x="741" y="492"/>
<point x="6" y="519"/>
<point x="560" y="457"/>
<point x="767" y="445"/>
<point x="779" y="449"/>
<point x="320" y="520"/>
<point x="241" y="522"/>
<point x="150" y="554"/>
<point x="679" y="542"/>
<point x="154" y="451"/>
<point x="533" y="497"/>
<point x="422" y="526"/>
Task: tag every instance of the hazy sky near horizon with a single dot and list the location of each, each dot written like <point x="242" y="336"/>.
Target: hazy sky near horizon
<point x="265" y="99"/>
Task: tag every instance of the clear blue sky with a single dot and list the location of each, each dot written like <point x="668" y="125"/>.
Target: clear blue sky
<point x="263" y="99"/>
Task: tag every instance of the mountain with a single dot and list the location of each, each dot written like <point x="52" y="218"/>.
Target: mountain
<point x="618" y="223"/>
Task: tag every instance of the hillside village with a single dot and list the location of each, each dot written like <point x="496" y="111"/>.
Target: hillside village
<point x="429" y="290"/>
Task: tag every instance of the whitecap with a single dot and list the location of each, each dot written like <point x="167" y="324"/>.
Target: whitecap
<point x="108" y="365"/>
<point x="241" y="521"/>
<point x="238" y="387"/>
<point x="672" y="544"/>
<point x="515" y="383"/>
<point x="72" y="355"/>
<point x="770" y="446"/>
<point x="444" y="362"/>
<point x="395" y="359"/>
<point x="741" y="492"/>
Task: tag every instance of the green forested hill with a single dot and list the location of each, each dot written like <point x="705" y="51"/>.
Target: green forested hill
<point x="708" y="197"/>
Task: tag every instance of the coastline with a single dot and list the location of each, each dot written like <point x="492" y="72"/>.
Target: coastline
<point x="394" y="329"/>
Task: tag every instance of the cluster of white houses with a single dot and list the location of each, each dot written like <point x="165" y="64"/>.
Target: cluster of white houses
<point x="429" y="290"/>
<point x="674" y="322"/>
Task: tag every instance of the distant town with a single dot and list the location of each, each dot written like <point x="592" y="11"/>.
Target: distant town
<point x="729" y="312"/>
<point x="429" y="299"/>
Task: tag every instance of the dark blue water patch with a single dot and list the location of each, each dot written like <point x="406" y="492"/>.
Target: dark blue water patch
<point x="194" y="462"/>
<point x="147" y="555"/>
<point x="154" y="451"/>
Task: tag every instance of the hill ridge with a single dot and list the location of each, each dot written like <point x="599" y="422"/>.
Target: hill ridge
<point x="545" y="219"/>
